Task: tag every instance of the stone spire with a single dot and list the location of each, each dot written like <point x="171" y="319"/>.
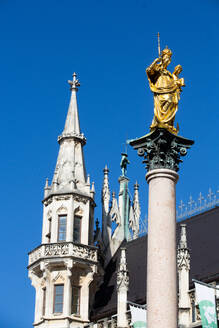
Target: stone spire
<point x="183" y="261"/>
<point x="70" y="169"/>
<point x="106" y="227"/>
<point x="72" y="125"/>
<point x="136" y="212"/>
<point x="124" y="200"/>
<point x="183" y="256"/>
<point x="68" y="220"/>
<point x="122" y="290"/>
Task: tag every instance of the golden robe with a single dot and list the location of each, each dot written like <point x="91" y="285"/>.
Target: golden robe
<point x="166" y="89"/>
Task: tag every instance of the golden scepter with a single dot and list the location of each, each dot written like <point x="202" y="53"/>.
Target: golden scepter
<point x="158" y="40"/>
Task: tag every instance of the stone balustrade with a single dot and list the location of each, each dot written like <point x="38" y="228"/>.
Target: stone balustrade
<point x="109" y="322"/>
<point x="65" y="249"/>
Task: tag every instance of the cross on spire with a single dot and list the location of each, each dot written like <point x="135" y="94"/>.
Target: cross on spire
<point x="190" y="202"/>
<point x="74" y="83"/>
<point x="181" y="206"/>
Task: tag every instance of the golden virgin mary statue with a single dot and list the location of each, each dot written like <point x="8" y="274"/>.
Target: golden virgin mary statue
<point x="166" y="88"/>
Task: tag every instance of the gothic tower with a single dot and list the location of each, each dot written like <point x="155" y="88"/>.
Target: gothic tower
<point x="62" y="267"/>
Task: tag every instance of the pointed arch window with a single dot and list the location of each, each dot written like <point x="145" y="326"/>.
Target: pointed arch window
<point x="62" y="227"/>
<point x="77" y="229"/>
<point x="75" y="308"/>
<point x="58" y="298"/>
<point x="44" y="300"/>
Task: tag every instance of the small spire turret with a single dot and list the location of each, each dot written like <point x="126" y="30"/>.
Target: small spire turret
<point x="93" y="188"/>
<point x="105" y="198"/>
<point x="46" y="188"/>
<point x="183" y="239"/>
<point x="106" y="190"/>
<point x="134" y="220"/>
<point x="122" y="290"/>
<point x="183" y="262"/>
<point x="70" y="170"/>
<point x="88" y="179"/>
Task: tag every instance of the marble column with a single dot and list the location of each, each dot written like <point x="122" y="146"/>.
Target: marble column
<point x="162" y="152"/>
<point x="161" y="263"/>
<point x="68" y="290"/>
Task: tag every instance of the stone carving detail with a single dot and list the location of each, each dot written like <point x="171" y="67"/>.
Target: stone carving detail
<point x="56" y="249"/>
<point x="217" y="307"/>
<point x="79" y="211"/>
<point x="198" y="315"/>
<point x="183" y="259"/>
<point x="100" y="325"/>
<point x="80" y="199"/>
<point x="63" y="249"/>
<point x="35" y="255"/>
<point x="122" y="279"/>
<point x="58" y="276"/>
<point x="122" y="273"/>
<point x="48" y="201"/>
<point x="192" y="297"/>
<point x="161" y="149"/>
<point x="84" y="252"/>
<point x="49" y="214"/>
<point x="62" y="198"/>
<point x="62" y="209"/>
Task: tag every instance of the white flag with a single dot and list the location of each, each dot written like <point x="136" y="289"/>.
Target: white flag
<point x="206" y="301"/>
<point x="139" y="317"/>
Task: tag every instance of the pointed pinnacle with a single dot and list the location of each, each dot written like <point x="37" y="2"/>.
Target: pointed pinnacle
<point x="88" y="179"/>
<point x="47" y="183"/>
<point x="74" y="83"/>
<point x="136" y="185"/>
<point x="93" y="188"/>
<point x="106" y="170"/>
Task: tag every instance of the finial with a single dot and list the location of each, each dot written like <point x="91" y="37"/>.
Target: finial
<point x="113" y="194"/>
<point x="46" y="188"/>
<point x="47" y="183"/>
<point x="93" y="188"/>
<point x="136" y="185"/>
<point x="55" y="184"/>
<point x="105" y="170"/>
<point x="88" y="179"/>
<point x="74" y="83"/>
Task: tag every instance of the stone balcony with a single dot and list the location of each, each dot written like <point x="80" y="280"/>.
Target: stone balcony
<point x="62" y="250"/>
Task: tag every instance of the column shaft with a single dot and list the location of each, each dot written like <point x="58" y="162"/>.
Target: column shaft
<point x="67" y="297"/>
<point x="161" y="261"/>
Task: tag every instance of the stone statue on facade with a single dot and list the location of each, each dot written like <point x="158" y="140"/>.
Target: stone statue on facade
<point x="123" y="163"/>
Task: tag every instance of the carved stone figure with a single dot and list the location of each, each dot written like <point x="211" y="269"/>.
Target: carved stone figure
<point x="123" y="163"/>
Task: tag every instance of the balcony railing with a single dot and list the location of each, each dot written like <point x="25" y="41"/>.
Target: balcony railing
<point x="64" y="249"/>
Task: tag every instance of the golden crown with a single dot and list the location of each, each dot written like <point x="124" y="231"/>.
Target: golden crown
<point x="166" y="51"/>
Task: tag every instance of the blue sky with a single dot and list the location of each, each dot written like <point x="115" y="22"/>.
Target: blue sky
<point x="109" y="44"/>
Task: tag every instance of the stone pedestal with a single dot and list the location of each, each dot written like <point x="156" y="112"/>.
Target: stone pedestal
<point x="162" y="153"/>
